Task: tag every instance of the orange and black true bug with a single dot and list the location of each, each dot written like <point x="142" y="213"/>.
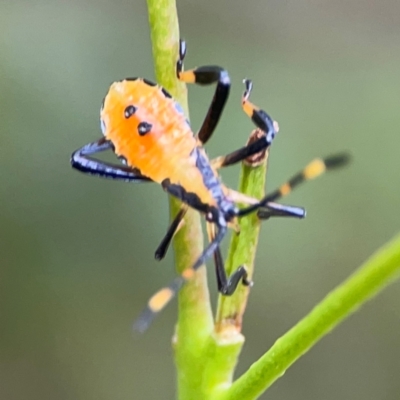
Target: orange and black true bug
<point x="150" y="134"/>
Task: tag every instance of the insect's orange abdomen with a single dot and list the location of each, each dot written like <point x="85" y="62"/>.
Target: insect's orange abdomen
<point x="165" y="152"/>
<point x="170" y="138"/>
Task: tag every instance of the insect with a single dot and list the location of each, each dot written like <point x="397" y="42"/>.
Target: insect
<point x="148" y="131"/>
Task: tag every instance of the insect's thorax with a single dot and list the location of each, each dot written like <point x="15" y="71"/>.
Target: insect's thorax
<point x="168" y="151"/>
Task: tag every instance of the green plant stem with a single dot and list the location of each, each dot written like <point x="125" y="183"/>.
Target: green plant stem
<point x="227" y="341"/>
<point x="242" y="249"/>
<point x="194" y="317"/>
<point x="205" y="359"/>
<point x="380" y="270"/>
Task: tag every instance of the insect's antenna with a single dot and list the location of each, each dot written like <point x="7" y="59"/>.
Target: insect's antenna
<point x="159" y="300"/>
<point x="313" y="170"/>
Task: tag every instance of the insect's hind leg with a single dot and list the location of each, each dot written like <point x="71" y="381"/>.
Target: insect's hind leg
<point x="206" y="75"/>
<point x="159" y="300"/>
<point x="226" y="286"/>
<point x="313" y="170"/>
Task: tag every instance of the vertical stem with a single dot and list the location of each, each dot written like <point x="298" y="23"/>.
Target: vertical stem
<point x="226" y="344"/>
<point x="243" y="247"/>
<point x="195" y="316"/>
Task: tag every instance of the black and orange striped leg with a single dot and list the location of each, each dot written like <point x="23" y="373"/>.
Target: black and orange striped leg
<point x="206" y="75"/>
<point x="164" y="296"/>
<point x="262" y="120"/>
<point x="81" y="161"/>
<point x="172" y="229"/>
<point x="313" y="170"/>
<point x="226" y="286"/>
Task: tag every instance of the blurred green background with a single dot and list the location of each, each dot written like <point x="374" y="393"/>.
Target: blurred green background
<point x="77" y="252"/>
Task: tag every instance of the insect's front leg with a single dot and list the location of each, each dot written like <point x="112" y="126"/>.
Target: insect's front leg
<point x="206" y="75"/>
<point x="81" y="161"/>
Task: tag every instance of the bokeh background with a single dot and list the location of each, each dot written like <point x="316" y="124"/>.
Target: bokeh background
<point x="77" y="252"/>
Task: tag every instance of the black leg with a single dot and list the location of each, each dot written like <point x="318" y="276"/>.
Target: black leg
<point x="88" y="165"/>
<point x="242" y="153"/>
<point x="163" y="296"/>
<point x="275" y="209"/>
<point x="206" y="75"/>
<point x="219" y="269"/>
<point x="267" y="213"/>
<point x="172" y="229"/>
<point x="262" y="120"/>
<point x="227" y="286"/>
<point x="240" y="275"/>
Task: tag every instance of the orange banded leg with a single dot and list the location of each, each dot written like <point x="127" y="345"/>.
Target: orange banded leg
<point x="262" y="120"/>
<point x="165" y="295"/>
<point x="172" y="230"/>
<point x="226" y="286"/>
<point x="206" y="75"/>
<point x="313" y="170"/>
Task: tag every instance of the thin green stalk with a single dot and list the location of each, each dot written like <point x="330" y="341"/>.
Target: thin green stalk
<point x="380" y="270"/>
<point x="195" y="317"/>
<point x="226" y="344"/>
<point x="242" y="249"/>
<point x="205" y="359"/>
